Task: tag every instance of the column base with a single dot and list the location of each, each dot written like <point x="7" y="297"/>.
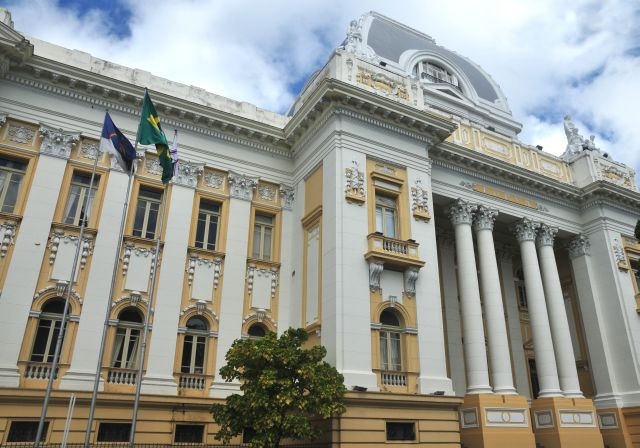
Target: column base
<point x="9" y="377"/>
<point x="429" y="384"/>
<point x="221" y="389"/>
<point x="560" y="422"/>
<point x="493" y="420"/>
<point x="613" y="427"/>
<point x="77" y="380"/>
<point x="159" y="385"/>
<point x="352" y="378"/>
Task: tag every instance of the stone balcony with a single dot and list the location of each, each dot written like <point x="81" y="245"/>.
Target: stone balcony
<point x="393" y="252"/>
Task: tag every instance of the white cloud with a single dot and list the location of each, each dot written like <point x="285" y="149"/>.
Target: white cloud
<point x="550" y="57"/>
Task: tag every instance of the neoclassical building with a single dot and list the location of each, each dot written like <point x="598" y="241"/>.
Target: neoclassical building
<point x="473" y="290"/>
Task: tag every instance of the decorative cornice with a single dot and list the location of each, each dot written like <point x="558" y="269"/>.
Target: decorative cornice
<point x="484" y="218"/>
<point x="579" y="246"/>
<point x="546" y="235"/>
<point x="525" y="230"/>
<point x="241" y="186"/>
<point x="188" y="172"/>
<point x="57" y="142"/>
<point x="461" y="212"/>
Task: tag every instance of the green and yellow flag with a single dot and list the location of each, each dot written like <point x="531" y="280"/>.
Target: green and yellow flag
<point x="150" y="133"/>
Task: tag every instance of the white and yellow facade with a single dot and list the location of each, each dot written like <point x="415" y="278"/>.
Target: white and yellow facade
<point x="471" y="289"/>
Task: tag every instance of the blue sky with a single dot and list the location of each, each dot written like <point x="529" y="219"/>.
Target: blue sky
<point x="550" y="57"/>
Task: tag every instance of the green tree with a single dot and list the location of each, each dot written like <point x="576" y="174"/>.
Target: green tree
<point x="637" y="231"/>
<point x="285" y="388"/>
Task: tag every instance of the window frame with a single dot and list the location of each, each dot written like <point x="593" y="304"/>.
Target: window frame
<point x="404" y="422"/>
<point x="387" y="333"/>
<point x="45" y="431"/>
<point x="175" y="432"/>
<point x="7" y="181"/>
<point x="93" y="193"/>
<point x="209" y="215"/>
<point x="128" y="327"/>
<point x="111" y="423"/>
<point x="55" y="320"/>
<point x="263" y="227"/>
<point x="384" y="209"/>
<point x="144" y="230"/>
<point x="195" y="335"/>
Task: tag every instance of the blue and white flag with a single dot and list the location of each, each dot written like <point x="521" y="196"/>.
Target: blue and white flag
<point x="173" y="152"/>
<point x="115" y="143"/>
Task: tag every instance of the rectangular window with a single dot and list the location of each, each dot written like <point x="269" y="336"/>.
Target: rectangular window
<point x="114" y="432"/>
<point x="208" y="224"/>
<point x="146" y="220"/>
<point x="635" y="272"/>
<point x="386" y="216"/>
<point x="401" y="431"/>
<point x="25" y="431"/>
<point x="46" y="339"/>
<point x="78" y="208"/>
<point x="193" y="354"/>
<point x="188" y="434"/>
<point x="125" y="348"/>
<point x="390" y="358"/>
<point x="263" y="237"/>
<point x="11" y="175"/>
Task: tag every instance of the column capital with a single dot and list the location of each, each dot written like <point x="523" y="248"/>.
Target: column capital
<point x="579" y="246"/>
<point x="188" y="173"/>
<point x="484" y="218"/>
<point x="287" y="196"/>
<point x="525" y="230"/>
<point x="57" y="142"/>
<point x="461" y="212"/>
<point x="241" y="186"/>
<point x="546" y="235"/>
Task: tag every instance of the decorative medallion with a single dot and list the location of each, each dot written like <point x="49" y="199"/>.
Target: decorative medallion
<point x="266" y="192"/>
<point x="214" y="180"/>
<point x="21" y="134"/>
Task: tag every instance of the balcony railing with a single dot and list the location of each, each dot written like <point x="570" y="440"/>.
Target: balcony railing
<point x="192" y="381"/>
<point x="435" y="79"/>
<point x="393" y="378"/>
<point x="39" y="371"/>
<point x="122" y="376"/>
<point x="403" y="253"/>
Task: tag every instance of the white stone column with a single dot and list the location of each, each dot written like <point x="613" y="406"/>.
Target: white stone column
<point x="499" y="357"/>
<point x="475" y="355"/>
<point x="159" y="378"/>
<point x="431" y="338"/>
<point x="285" y="298"/>
<point x="31" y="242"/>
<point x="82" y="371"/>
<point x="525" y="231"/>
<point x="233" y="282"/>
<point x="565" y="360"/>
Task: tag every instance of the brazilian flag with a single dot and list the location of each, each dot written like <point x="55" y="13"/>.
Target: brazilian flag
<point x="150" y="133"/>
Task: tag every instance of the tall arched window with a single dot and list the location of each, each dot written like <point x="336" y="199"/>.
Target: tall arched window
<point x="256" y="331"/>
<point x="127" y="341"/>
<point x="194" y="348"/>
<point x="49" y="323"/>
<point x="432" y="72"/>
<point x="390" y="347"/>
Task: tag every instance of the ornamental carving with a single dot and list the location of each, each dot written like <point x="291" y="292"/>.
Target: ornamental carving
<point x="375" y="271"/>
<point x="410" y="277"/>
<point x="354" y="183"/>
<point x="90" y="150"/>
<point x="266" y="192"/>
<point x="484" y="218"/>
<point x="8" y="230"/>
<point x="579" y="246"/>
<point x="21" y="134"/>
<point x="618" y="253"/>
<point x="3" y="119"/>
<point x="461" y="212"/>
<point x="59" y="237"/>
<point x="420" y="201"/>
<point x="187" y="173"/>
<point x="59" y="289"/>
<point x="214" y="180"/>
<point x="253" y="271"/>
<point x="241" y="186"/>
<point x="260" y="315"/>
<point x="57" y="142"/>
<point x="134" y="298"/>
<point x="131" y="249"/>
<point x="201" y="308"/>
<point x="194" y="261"/>
<point x="382" y="84"/>
<point x="152" y="164"/>
<point x="546" y="235"/>
<point x="287" y="196"/>
<point x="615" y="173"/>
<point x="525" y="230"/>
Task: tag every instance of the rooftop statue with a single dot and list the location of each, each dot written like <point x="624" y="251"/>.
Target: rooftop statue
<point x="576" y="143"/>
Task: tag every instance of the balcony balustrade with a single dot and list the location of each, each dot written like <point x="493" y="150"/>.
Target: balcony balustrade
<point x="39" y="371"/>
<point x="122" y="376"/>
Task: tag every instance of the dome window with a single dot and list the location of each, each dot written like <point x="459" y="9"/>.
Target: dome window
<point x="431" y="72"/>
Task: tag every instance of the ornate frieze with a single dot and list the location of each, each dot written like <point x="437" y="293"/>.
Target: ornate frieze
<point x="525" y="229"/>
<point x="90" y="150"/>
<point x="187" y="173"/>
<point x="420" y="201"/>
<point x="579" y="246"/>
<point x="21" y="134"/>
<point x="241" y="186"/>
<point x="354" y="184"/>
<point x="383" y="84"/>
<point x="287" y="196"/>
<point x="461" y="212"/>
<point x="152" y="164"/>
<point x="214" y="180"/>
<point x="375" y="272"/>
<point x="484" y="218"/>
<point x="410" y="276"/>
<point x="267" y="192"/>
<point x="57" y="142"/>
<point x="8" y="231"/>
<point x="546" y="235"/>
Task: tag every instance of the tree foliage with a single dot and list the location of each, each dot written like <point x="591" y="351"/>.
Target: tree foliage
<point x="637" y="231"/>
<point x="284" y="389"/>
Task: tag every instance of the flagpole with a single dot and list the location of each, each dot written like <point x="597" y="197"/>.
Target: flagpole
<point x="107" y="313"/>
<point x="143" y="348"/>
<point x="54" y="364"/>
